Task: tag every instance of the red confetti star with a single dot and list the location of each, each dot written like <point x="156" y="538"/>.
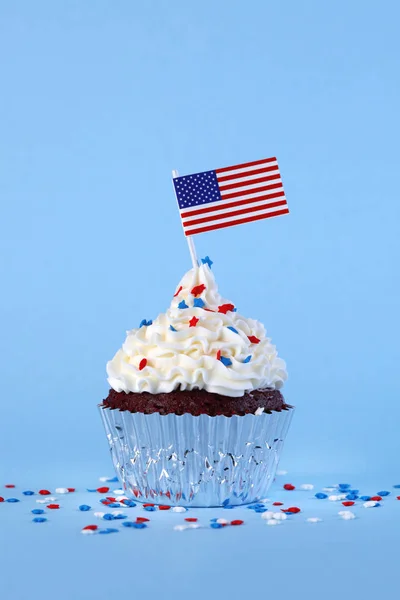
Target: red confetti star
<point x="218" y="354"/>
<point x="224" y="308"/>
<point x="237" y="522"/>
<point x="111" y="499"/>
<point x="71" y="490"/>
<point x="142" y="520"/>
<point x="178" y="292"/>
<point x="191" y="519"/>
<point x="53" y="506"/>
<point x="288" y="486"/>
<point x="144" y="505"/>
<point x="198" y="289"/>
<point x="376" y="498"/>
<point x="9" y="485"/>
<point x="277" y="504"/>
<point x="1" y="499"/>
<point x="44" y="492"/>
<point x="193" y="322"/>
<point x="292" y="509"/>
<point x="253" y="339"/>
<point x="164" y="507"/>
<point x="103" y="490"/>
<point x="142" y="364"/>
<point x="348" y="503"/>
<point x="398" y="498"/>
<point x="90" y="527"/>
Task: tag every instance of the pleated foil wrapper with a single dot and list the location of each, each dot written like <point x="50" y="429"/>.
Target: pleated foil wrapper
<point x="195" y="461"/>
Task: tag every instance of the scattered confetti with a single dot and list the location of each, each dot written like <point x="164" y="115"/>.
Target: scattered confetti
<point x="37" y="511"/>
<point x="1" y="499"/>
<point x="307" y="486"/>
<point x="253" y="339"/>
<point x="225" y="361"/>
<point x="269" y="514"/>
<point x="198" y="303"/>
<point x="178" y="291"/>
<point x="164" y="507"/>
<point x="172" y="328"/>
<point x="134" y="524"/>
<point x="9" y="485"/>
<point x="384" y="493"/>
<point x="198" y="289"/>
<point x="103" y="490"/>
<point x="347" y="515"/>
<point x="193" y="322"/>
<point x="277" y="504"/>
<point x="247" y="359"/>
<point x="90" y="528"/>
<point x="12" y="500"/>
<point x="149" y="508"/>
<point x="237" y="522"/>
<point x="62" y="491"/>
<point x="53" y="506"/>
<point x="182" y="304"/>
<point x="216" y="525"/>
<point x="207" y="261"/>
<point x="191" y="519"/>
<point x="142" y="520"/>
<point x="129" y="503"/>
<point x="28" y="493"/>
<point x="109" y="530"/>
<point x="224" y="308"/>
<point x="376" y="498"/>
<point x="371" y="504"/>
<point x="348" y="503"/>
<point x="233" y="329"/>
<point x="273" y="522"/>
<point x="39" y="520"/>
<point x="145" y="323"/>
<point x="82" y="507"/>
<point x="178" y="509"/>
<point x="313" y="520"/>
<point x="142" y="364"/>
<point x="44" y="493"/>
<point x="288" y="486"/>
<point x="293" y="510"/>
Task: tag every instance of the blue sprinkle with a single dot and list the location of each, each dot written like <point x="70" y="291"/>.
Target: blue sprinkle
<point x="214" y="520"/>
<point x="117" y="517"/>
<point x="234" y="309"/>
<point x="365" y="498"/>
<point x="150" y="508"/>
<point x="129" y="503"/>
<point x="225" y="502"/>
<point x="182" y="304"/>
<point x="87" y="489"/>
<point x="108" y="530"/>
<point x="198" y="303"/>
<point x="344" y="486"/>
<point x="39" y="519"/>
<point x="247" y="359"/>
<point x="12" y="500"/>
<point x="226" y="361"/>
<point x="112" y="480"/>
<point x="37" y="511"/>
<point x="135" y="525"/>
<point x="84" y="507"/>
<point x="257" y="505"/>
<point x="229" y="506"/>
<point x="103" y="501"/>
<point x="384" y="493"/>
<point x="353" y="491"/>
<point x="28" y="493"/>
<point x="108" y="517"/>
<point x="351" y="497"/>
<point x="397" y="486"/>
<point x="114" y="505"/>
<point x="260" y="510"/>
<point x="145" y="323"/>
<point x="207" y="261"/>
<point x="233" y="329"/>
<point x="321" y="496"/>
<point x="216" y="525"/>
<point x="172" y="328"/>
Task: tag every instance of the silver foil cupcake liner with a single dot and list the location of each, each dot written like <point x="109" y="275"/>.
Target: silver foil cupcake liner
<point x="195" y="461"/>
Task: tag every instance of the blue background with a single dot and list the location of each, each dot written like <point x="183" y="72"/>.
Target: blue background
<point x="98" y="102"/>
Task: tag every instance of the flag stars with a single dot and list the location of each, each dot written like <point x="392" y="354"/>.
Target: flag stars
<point x="193" y="322"/>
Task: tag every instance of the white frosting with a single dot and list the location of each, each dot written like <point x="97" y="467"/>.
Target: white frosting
<point x="187" y="358"/>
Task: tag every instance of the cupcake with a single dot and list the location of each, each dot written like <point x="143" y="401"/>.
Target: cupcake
<point x="195" y="415"/>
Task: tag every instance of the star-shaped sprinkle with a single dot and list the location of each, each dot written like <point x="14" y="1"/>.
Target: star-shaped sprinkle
<point x="142" y="364"/>
<point x="198" y="289"/>
<point x="233" y="329"/>
<point x="247" y="359"/>
<point x="182" y="304"/>
<point x="193" y="322"/>
<point x="253" y="339"/>
<point x="226" y="361"/>
<point x="219" y="355"/>
<point x="207" y="261"/>
<point x="145" y="323"/>
<point x="172" y="328"/>
<point x="198" y="303"/>
<point x="178" y="291"/>
<point x="224" y="308"/>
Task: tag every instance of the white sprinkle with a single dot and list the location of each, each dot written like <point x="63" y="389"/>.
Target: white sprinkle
<point x="118" y="492"/>
<point x="347" y="515"/>
<point x="181" y="527"/>
<point x="178" y="509"/>
<point x="43" y="501"/>
<point x="51" y="498"/>
<point x="279" y="516"/>
<point x="273" y="522"/>
<point x="307" y="486"/>
<point x="265" y="500"/>
<point x="99" y="515"/>
<point x="267" y="515"/>
<point x="313" y="520"/>
<point x="117" y="512"/>
<point x="87" y="531"/>
<point x="370" y="504"/>
<point x="120" y="498"/>
<point x="328" y="489"/>
<point x="342" y="496"/>
<point x="104" y="479"/>
<point x="281" y="472"/>
<point x="333" y="498"/>
<point x="62" y="491"/>
<point x="193" y="526"/>
<point x="259" y="411"/>
<point x="222" y="521"/>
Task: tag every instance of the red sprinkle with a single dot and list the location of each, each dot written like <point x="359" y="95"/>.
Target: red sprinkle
<point x="142" y="520"/>
<point x="398" y="497"/>
<point x="198" y="289"/>
<point x="71" y="489"/>
<point x="178" y="291"/>
<point x="288" y="486"/>
<point x="111" y="499"/>
<point x="44" y="492"/>
<point x="164" y="507"/>
<point x="292" y="509"/>
<point x="224" y="308"/>
<point x="144" y="505"/>
<point x="90" y="527"/>
<point x="9" y="485"/>
<point x="103" y="490"/>
<point x="277" y="504"/>
<point x="348" y="503"/>
<point x="1" y="499"/>
<point x="376" y="498"/>
<point x="191" y="519"/>
<point x="253" y="339"/>
<point x="193" y="322"/>
<point x="237" y="522"/>
<point x="209" y="309"/>
<point x="142" y="364"/>
<point x="53" y="506"/>
<point x="218" y="354"/>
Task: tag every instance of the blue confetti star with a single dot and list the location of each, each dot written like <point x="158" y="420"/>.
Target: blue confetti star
<point x="37" y="511"/>
<point x="198" y="303"/>
<point x="384" y="493"/>
<point x="182" y="304"/>
<point x="247" y="359"/>
<point x="233" y="329"/>
<point x="28" y="493"/>
<point x="145" y="323"/>
<point x="39" y="519"/>
<point x="321" y="496"/>
<point x="12" y="500"/>
<point x="84" y="507"/>
<point x="172" y="328"/>
<point x="226" y="361"/>
<point x="108" y="517"/>
<point x="216" y="525"/>
<point x="207" y="261"/>
<point x="108" y="530"/>
<point x="129" y="503"/>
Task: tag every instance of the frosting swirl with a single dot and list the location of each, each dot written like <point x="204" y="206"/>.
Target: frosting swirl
<point x="200" y="342"/>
